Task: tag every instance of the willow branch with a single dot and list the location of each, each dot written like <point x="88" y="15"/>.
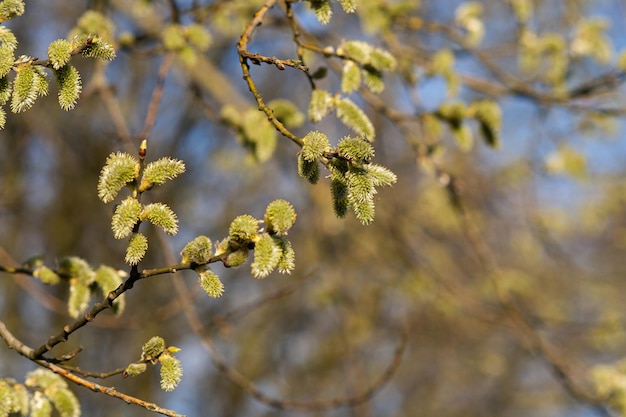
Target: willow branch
<point x="244" y="54"/>
<point x="14" y="343"/>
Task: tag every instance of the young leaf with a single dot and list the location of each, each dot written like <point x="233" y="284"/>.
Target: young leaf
<point x="352" y="116"/>
<point x="350" y="77"/>
<point x="5" y="90"/>
<point x="119" y="170"/>
<point x="197" y="251"/>
<point x="243" y="228"/>
<point x="309" y="170"/>
<point x="373" y="79"/>
<point x="357" y="50"/>
<point x="136" y="250"/>
<point x="266" y="256"/>
<point x="315" y="144"/>
<point x="279" y="217"/>
<point x="348" y="6"/>
<point x="10" y="9"/>
<point x="98" y="48"/>
<point x="159" y="171"/>
<point x="6" y="59"/>
<point x="40" y="405"/>
<point x="236" y="258"/>
<point x="79" y="298"/>
<point x="161" y="215"/>
<point x="210" y="283"/>
<point x="489" y="116"/>
<point x="171" y="372"/>
<point x="380" y="176"/>
<point x="286" y="263"/>
<point x="75" y="267"/>
<point x="44" y="379"/>
<point x="323" y="10"/>
<point x="287" y="113"/>
<point x="320" y="104"/>
<point x="60" y="53"/>
<point x="65" y="402"/>
<point x="26" y="87"/>
<point x="46" y="275"/>
<point x="339" y="194"/>
<point x="382" y="60"/>
<point x="152" y="349"/>
<point x="109" y="279"/>
<point x="70" y="86"/>
<point x="355" y="149"/>
<point x="125" y="217"/>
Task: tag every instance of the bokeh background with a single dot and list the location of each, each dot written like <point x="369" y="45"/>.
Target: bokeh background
<point x="505" y="266"/>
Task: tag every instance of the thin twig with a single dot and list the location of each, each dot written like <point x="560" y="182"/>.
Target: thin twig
<point x="157" y="93"/>
<point x="14" y="343"/>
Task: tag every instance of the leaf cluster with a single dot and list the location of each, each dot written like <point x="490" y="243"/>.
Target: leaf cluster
<point x="31" y="80"/>
<point x="124" y="170"/>
<point x="155" y="352"/>
<point x="486" y="113"/>
<point x="42" y="393"/>
<point x="350" y="114"/>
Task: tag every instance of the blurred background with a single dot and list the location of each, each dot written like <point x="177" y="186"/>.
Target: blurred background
<point x="503" y="265"/>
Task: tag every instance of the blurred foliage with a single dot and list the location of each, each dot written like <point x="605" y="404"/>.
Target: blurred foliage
<point x="499" y="245"/>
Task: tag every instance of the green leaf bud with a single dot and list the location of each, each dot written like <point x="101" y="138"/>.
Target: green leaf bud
<point x="26" y="85"/>
<point x="109" y="279"/>
<point x="60" y="53"/>
<point x="243" y="228"/>
<point x="119" y="170"/>
<point x="5" y="90"/>
<point x="161" y="215"/>
<point x="489" y="116"/>
<point x="7" y="38"/>
<point x="320" y="104"/>
<point x="136" y="250"/>
<point x="373" y="79"/>
<point x="198" y="36"/>
<point x="65" y="402"/>
<point x="173" y="38"/>
<point x="46" y="275"/>
<point x="339" y="194"/>
<point x="315" y="144"/>
<point x="323" y="10"/>
<point x="382" y="60"/>
<point x="135" y="369"/>
<point x="357" y="149"/>
<point x="308" y="169"/>
<point x="125" y="217"/>
<point x="279" y="217"/>
<point x="197" y="251"/>
<point x="453" y="113"/>
<point x="266" y="256"/>
<point x="70" y="86"/>
<point x="10" y="9"/>
<point x="357" y="50"/>
<point x="7" y="60"/>
<point x="75" y="267"/>
<point x="352" y="116"/>
<point x="287" y="113"/>
<point x="380" y="176"/>
<point x="350" y="77"/>
<point x="171" y="372"/>
<point x="80" y="295"/>
<point x="152" y="349"/>
<point x="236" y="258"/>
<point x="210" y="283"/>
<point x="40" y="405"/>
<point x="98" y="48"/>
<point x="159" y="171"/>
<point x="348" y="6"/>
<point x="286" y="263"/>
